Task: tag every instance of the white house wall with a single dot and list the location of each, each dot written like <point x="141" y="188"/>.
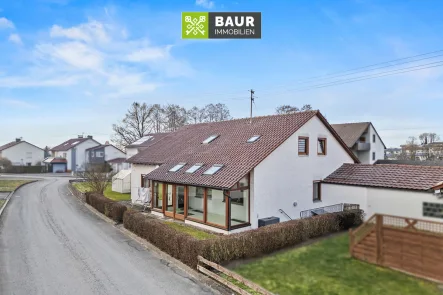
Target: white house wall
<point x="377" y="147"/>
<point x="131" y="152"/>
<point x="332" y="194"/>
<point x="81" y="152"/>
<point x="112" y="152"/>
<point x="61" y="154"/>
<point x="284" y="177"/>
<point x="136" y="173"/>
<point x="24" y="153"/>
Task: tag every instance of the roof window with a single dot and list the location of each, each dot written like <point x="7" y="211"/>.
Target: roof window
<point x="213" y="169"/>
<point x="253" y="138"/>
<point x="177" y="167"/>
<point x="210" y="138"/>
<point x="194" y="168"/>
<point x="142" y="140"/>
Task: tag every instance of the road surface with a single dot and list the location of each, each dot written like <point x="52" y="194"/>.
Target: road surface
<point x="51" y="244"/>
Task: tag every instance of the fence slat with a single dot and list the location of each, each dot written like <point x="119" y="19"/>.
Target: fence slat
<point x="239" y="278"/>
<point x="222" y="280"/>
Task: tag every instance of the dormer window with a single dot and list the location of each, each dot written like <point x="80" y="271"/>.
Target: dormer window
<point x="177" y="167"/>
<point x="254" y="138"/>
<point x="210" y="139"/>
<point x="213" y="169"/>
<point x="194" y="168"/>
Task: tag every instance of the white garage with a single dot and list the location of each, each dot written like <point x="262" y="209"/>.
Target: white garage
<point x="403" y="190"/>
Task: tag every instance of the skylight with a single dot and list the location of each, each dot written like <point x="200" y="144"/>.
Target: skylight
<point x="75" y="142"/>
<point x="210" y="138"/>
<point x="177" y="167"/>
<point x="213" y="169"/>
<point x="194" y="168"/>
<point x="254" y="138"/>
<point x="142" y="140"/>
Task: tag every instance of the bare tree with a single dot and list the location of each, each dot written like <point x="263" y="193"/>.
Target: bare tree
<point x="157" y="117"/>
<point x="96" y="178"/>
<point x="222" y="112"/>
<point x="306" y="107"/>
<point x="175" y="117"/>
<point x="286" y="109"/>
<point x="136" y="123"/>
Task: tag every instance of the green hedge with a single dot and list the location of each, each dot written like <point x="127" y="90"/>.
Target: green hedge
<point x="247" y="244"/>
<point x="110" y="208"/>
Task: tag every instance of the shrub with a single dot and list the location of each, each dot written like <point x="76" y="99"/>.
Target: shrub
<point x="247" y="244"/>
<point x="106" y="206"/>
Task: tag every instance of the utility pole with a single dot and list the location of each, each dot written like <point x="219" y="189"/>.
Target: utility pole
<point x="252" y="100"/>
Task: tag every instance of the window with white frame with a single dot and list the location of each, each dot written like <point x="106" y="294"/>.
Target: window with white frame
<point x="177" y="167"/>
<point x="213" y="169"/>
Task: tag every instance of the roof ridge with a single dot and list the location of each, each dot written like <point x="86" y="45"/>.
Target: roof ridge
<point x="349" y="123"/>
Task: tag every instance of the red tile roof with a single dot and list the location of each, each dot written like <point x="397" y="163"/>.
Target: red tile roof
<point x="117" y="160"/>
<point x="351" y="132"/>
<point x="69" y="144"/>
<point x="387" y="175"/>
<point x="229" y="148"/>
<point x="155" y="137"/>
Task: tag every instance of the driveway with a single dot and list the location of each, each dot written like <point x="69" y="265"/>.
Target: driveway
<point x="51" y="244"/>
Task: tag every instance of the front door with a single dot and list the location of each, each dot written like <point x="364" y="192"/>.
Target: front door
<point x="169" y="206"/>
<point x="179" y="202"/>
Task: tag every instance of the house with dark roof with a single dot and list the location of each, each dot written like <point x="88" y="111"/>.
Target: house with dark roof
<point x="103" y="153"/>
<point x="229" y="176"/>
<point x="74" y="151"/>
<point x="22" y="153"/>
<point x="363" y="140"/>
<point x="412" y="191"/>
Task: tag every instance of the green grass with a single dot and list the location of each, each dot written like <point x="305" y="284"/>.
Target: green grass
<point x="196" y="233"/>
<point x="107" y="193"/>
<point x="2" y="202"/>
<point x="326" y="268"/>
<point x="10" y="185"/>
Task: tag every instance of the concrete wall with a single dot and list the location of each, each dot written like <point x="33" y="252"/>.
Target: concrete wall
<point x="284" y="177"/>
<point x="24" y="153"/>
<point x="136" y="172"/>
<point x="404" y="203"/>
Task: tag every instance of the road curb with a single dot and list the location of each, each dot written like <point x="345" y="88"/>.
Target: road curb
<point x="11" y="193"/>
<point x="162" y="255"/>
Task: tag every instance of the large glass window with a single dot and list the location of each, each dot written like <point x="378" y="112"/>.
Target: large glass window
<point x="169" y="203"/>
<point x="158" y="195"/>
<point x="180" y="199"/>
<point x="239" y="207"/>
<point x="216" y="212"/>
<point x="196" y="202"/>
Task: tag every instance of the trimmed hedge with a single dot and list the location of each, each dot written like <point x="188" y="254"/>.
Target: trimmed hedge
<point x="246" y="244"/>
<point x="110" y="208"/>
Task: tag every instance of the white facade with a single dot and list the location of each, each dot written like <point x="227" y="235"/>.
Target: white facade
<point x="131" y="152"/>
<point x="376" y="151"/>
<point x="80" y="154"/>
<point x="24" y="154"/>
<point x="136" y="175"/>
<point x="405" y="203"/>
<point x="117" y="167"/>
<point x="111" y="152"/>
<point x="285" y="178"/>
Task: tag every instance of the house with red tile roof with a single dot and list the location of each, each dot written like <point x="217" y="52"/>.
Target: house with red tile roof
<point x="227" y="176"/>
<point x="142" y="143"/>
<point x="22" y="153"/>
<point x="363" y="140"/>
<point x="412" y="191"/>
<point x="74" y="151"/>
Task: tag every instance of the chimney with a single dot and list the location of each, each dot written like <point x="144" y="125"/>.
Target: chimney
<point x="18" y="139"/>
<point x="107" y="142"/>
<point x="80" y="136"/>
<point x="90" y="136"/>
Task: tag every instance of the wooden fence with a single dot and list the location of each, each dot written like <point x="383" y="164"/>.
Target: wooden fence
<point x="410" y="245"/>
<point x="226" y="277"/>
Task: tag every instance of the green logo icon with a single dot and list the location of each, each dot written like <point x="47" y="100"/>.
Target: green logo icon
<point x="195" y="25"/>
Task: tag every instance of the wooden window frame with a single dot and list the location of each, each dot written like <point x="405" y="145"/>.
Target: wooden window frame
<point x="325" y="147"/>
<point x="306" y="153"/>
<point x="315" y="200"/>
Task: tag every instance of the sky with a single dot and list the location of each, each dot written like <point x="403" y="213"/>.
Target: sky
<point x="70" y="67"/>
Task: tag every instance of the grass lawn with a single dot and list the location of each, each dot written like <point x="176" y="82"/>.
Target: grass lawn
<point x="10" y="185"/>
<point x="196" y="233"/>
<point x="108" y="192"/>
<point x="2" y="202"/>
<point x="326" y="268"/>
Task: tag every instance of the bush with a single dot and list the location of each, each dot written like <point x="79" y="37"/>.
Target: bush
<point x="110" y="208"/>
<point x="242" y="245"/>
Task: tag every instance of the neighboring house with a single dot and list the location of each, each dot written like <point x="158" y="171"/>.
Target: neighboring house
<point x="392" y="153"/>
<point x="56" y="165"/>
<point x="363" y="140"/>
<point x="402" y="190"/>
<point x="103" y="153"/>
<point x="410" y="162"/>
<point x="119" y="164"/>
<point x="74" y="151"/>
<point x="22" y="153"/>
<point x="226" y="176"/>
<point x="144" y="142"/>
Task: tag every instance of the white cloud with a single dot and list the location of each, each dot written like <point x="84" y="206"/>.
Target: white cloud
<point x="205" y="3"/>
<point x="92" y="31"/>
<point x="17" y="103"/>
<point x="147" y="54"/>
<point x="15" y="38"/>
<point x="6" y="23"/>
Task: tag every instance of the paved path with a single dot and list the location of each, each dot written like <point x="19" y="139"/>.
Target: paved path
<point x="51" y="244"/>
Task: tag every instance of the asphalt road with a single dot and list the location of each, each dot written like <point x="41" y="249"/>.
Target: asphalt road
<point x="51" y="244"/>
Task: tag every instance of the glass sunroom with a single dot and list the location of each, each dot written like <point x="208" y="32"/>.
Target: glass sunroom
<point x="223" y="209"/>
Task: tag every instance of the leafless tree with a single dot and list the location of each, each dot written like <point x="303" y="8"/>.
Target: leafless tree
<point x="135" y="124"/>
<point x="157" y="118"/>
<point x="306" y="107"/>
<point x="175" y="117"/>
<point x="286" y="109"/>
<point x="96" y="178"/>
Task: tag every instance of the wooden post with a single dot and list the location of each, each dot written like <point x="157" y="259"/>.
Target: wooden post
<point x="379" y="238"/>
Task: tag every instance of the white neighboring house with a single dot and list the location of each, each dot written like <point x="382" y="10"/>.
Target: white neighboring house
<point x="22" y="153"/>
<point x="74" y="151"/>
<point x="391" y="189"/>
<point x="100" y="154"/>
<point x="363" y="140"/>
<point x="230" y="176"/>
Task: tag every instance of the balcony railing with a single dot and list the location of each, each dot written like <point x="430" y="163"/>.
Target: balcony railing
<point x="363" y="146"/>
<point x="329" y="209"/>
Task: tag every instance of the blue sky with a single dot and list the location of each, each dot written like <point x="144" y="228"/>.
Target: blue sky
<point x="69" y="67"/>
